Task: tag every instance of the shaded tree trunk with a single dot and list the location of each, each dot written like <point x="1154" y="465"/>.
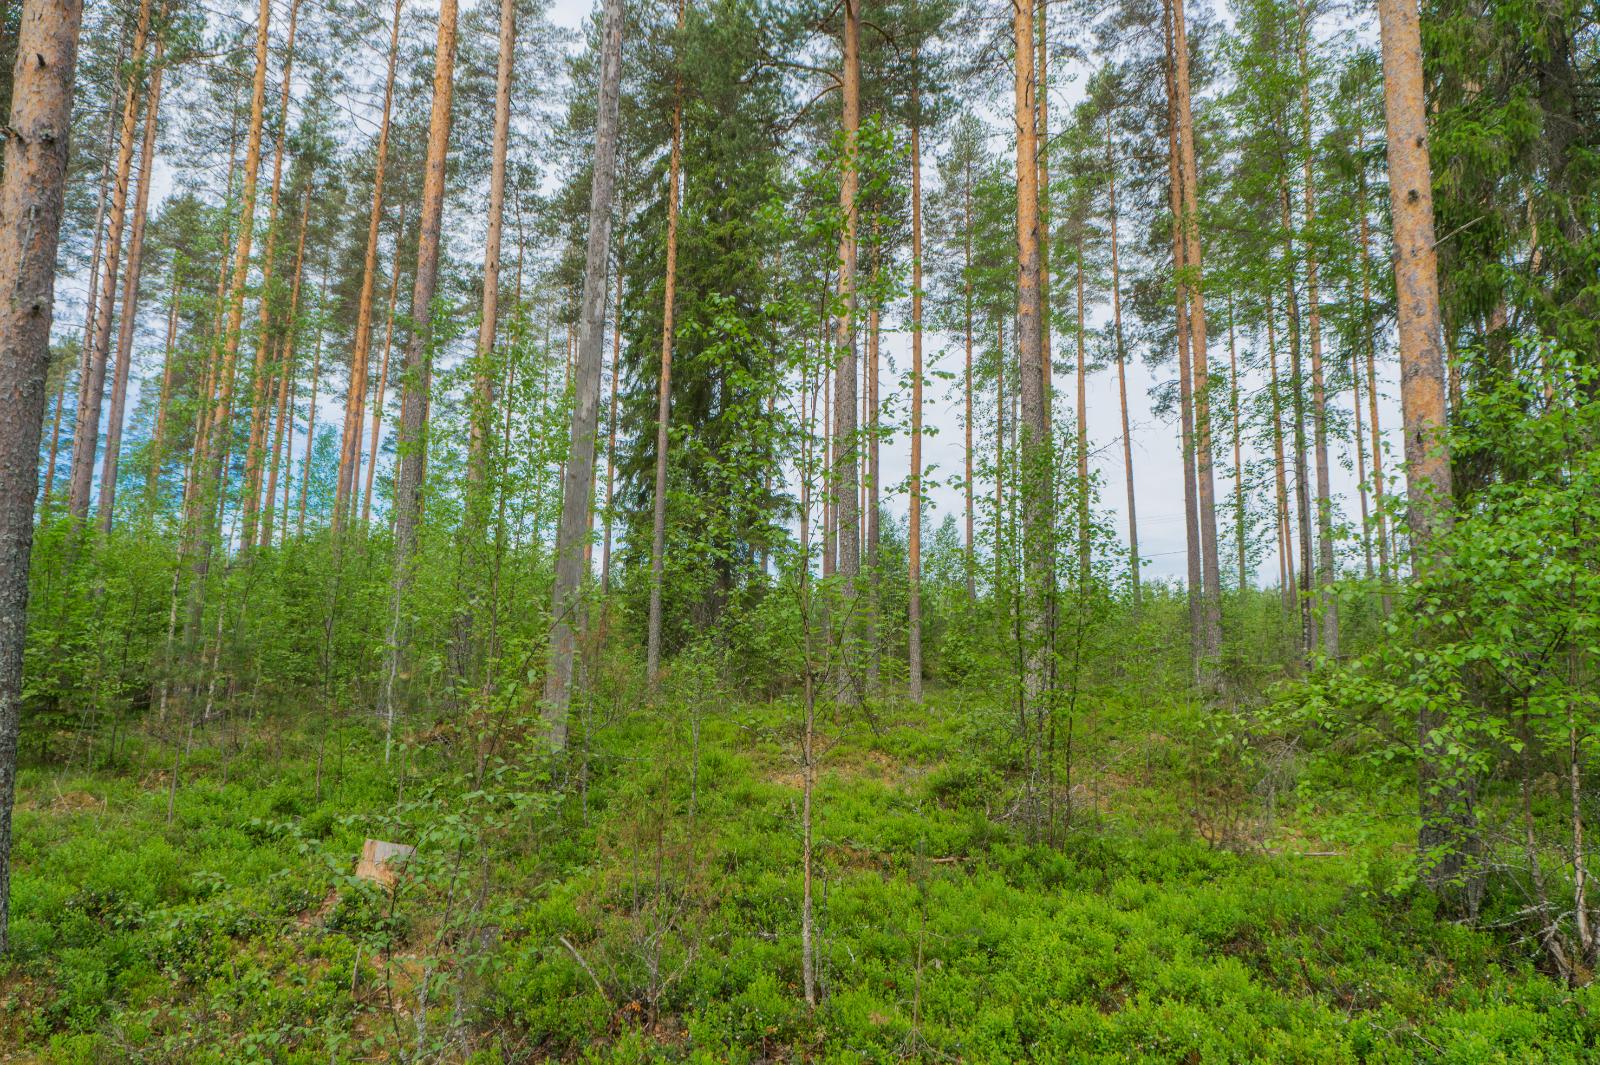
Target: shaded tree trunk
<point x="914" y="534"/>
<point x="572" y="534"/>
<point x="286" y="360"/>
<point x="1122" y="374"/>
<point x="658" y="512"/>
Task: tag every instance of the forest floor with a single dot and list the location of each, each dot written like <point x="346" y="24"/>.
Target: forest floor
<point x="653" y="913"/>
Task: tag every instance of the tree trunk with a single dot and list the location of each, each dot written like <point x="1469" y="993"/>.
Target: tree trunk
<point x="966" y="300"/>
<point x="846" y="475"/>
<point x="1286" y="578"/>
<point x="383" y="375"/>
<point x="1302" y="477"/>
<point x="356" y="397"/>
<point x="1448" y="837"/>
<point x="261" y="400"/>
<point x="1238" y="449"/>
<point x="209" y="497"/>
<point x="1082" y="441"/>
<point x="158" y="436"/>
<point x="1191" y="505"/>
<point x="611" y="426"/>
<point x="311" y="410"/>
<point x="1042" y="153"/>
<point x="1369" y="343"/>
<point x="30" y="222"/>
<point x="286" y="375"/>
<point x="130" y="295"/>
<point x="91" y="387"/>
<point x="417" y="370"/>
<point x="1328" y="603"/>
<point x="566" y="601"/>
<point x="658" y="505"/>
<point x="1211" y="577"/>
<point x="1034" y="449"/>
<point x="92" y="305"/>
<point x="1122" y="374"/>
<point x="914" y="534"/>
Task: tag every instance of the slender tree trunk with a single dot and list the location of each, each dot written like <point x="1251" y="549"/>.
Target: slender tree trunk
<point x="209" y="496"/>
<point x="1238" y="450"/>
<point x="1082" y="441"/>
<point x="417" y="371"/>
<point x="376" y="432"/>
<point x="1359" y="440"/>
<point x="483" y="378"/>
<point x="91" y="387"/>
<point x="611" y="426"/>
<point x="1309" y="637"/>
<point x="658" y="511"/>
<point x="356" y="397"/>
<point x="130" y="295"/>
<point x="566" y="599"/>
<point x="1211" y="577"/>
<point x="966" y="300"/>
<point x="1369" y="344"/>
<point x="1122" y="373"/>
<point x="31" y="193"/>
<point x="92" y="304"/>
<point x="158" y="437"/>
<point x="1448" y="836"/>
<point x="284" y="443"/>
<point x="914" y="536"/>
<point x="1328" y="603"/>
<point x="261" y="399"/>
<point x="869" y="473"/>
<point x="311" y="410"/>
<point x="1285" y="539"/>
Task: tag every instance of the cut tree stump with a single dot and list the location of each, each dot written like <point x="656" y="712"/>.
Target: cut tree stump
<point x="380" y="861"/>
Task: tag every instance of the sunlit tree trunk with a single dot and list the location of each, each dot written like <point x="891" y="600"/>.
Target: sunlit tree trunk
<point x="1035" y="454"/>
<point x="31" y="194"/>
<point x="311" y="410"/>
<point x="1448" y="833"/>
<point x="261" y="400"/>
<point x="91" y="386"/>
<point x="286" y="360"/>
<point x="658" y="504"/>
<point x="846" y="474"/>
<point x="130" y="295"/>
<point x="417" y="370"/>
<point x="1210" y="569"/>
<point x="158" y="435"/>
<point x="1042" y="154"/>
<point x="1191" y="504"/>
<point x="573" y="533"/>
<point x="360" y="353"/>
<point x="376" y="433"/>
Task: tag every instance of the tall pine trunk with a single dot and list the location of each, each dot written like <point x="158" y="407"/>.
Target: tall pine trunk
<point x="261" y="398"/>
<point x="846" y="474"/>
<point x="417" y="371"/>
<point x="91" y="386"/>
<point x="286" y="372"/>
<point x="1122" y="373"/>
<point x="1448" y="836"/>
<point x="914" y="532"/>
<point x="31" y="195"/>
<point x="356" y="396"/>
<point x="130" y="295"/>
